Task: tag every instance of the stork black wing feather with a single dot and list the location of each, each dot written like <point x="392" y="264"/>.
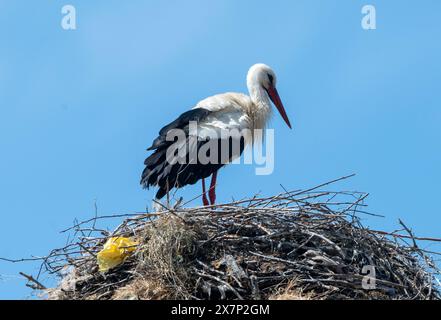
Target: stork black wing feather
<point x="159" y="172"/>
<point x="180" y="123"/>
<point x="156" y="162"/>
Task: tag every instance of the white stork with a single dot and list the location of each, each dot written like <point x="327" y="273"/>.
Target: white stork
<point x="228" y="111"/>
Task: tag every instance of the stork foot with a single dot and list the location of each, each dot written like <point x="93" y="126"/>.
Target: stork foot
<point x="212" y="195"/>
<point x="212" y="191"/>
<point x="205" y="200"/>
<point x="204" y="194"/>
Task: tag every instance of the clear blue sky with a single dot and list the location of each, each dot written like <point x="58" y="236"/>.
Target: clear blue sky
<point x="78" y="108"/>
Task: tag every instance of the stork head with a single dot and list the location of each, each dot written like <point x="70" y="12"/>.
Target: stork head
<point x="261" y="76"/>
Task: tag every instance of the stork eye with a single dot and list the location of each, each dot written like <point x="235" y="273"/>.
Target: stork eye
<point x="271" y="78"/>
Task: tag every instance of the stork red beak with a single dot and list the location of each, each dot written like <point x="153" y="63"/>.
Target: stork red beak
<point x="275" y="98"/>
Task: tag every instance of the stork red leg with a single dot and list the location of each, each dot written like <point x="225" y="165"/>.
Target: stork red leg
<point x="212" y="191"/>
<point x="204" y="194"/>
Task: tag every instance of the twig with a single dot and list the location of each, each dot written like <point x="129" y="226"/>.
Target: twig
<point x="37" y="285"/>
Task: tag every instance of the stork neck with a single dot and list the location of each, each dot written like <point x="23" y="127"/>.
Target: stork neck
<point x="261" y="107"/>
<point x="259" y="96"/>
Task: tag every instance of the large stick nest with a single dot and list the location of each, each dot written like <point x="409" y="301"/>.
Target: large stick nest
<point x="297" y="245"/>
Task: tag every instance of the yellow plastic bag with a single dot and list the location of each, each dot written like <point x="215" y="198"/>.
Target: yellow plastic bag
<point x="115" y="251"/>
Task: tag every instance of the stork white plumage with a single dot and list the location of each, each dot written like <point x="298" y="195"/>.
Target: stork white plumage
<point x="223" y="112"/>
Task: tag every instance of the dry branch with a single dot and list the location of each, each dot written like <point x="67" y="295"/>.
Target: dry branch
<point x="309" y="242"/>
